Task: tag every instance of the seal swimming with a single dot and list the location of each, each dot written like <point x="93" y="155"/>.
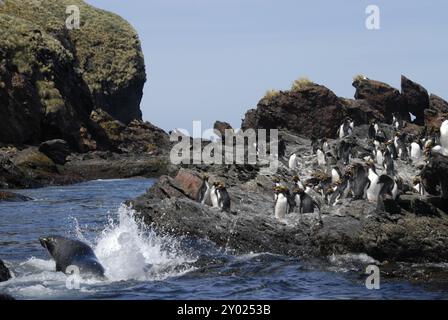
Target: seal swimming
<point x="67" y="252"/>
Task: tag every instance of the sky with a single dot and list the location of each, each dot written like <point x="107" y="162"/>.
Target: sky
<point x="213" y="60"/>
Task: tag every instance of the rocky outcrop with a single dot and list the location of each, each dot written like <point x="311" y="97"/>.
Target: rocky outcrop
<point x="57" y="150"/>
<point x="52" y="78"/>
<point x="5" y="275"/>
<point x="380" y="96"/>
<point x="437" y="111"/>
<point x="414" y="99"/>
<point x="414" y="229"/>
<point x="311" y="110"/>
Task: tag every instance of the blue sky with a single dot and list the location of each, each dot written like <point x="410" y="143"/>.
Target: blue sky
<point x="212" y="60"/>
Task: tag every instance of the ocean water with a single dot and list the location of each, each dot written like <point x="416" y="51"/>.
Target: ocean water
<point x="141" y="264"/>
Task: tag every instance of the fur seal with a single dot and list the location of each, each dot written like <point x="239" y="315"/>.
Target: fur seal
<point x="67" y="252"/>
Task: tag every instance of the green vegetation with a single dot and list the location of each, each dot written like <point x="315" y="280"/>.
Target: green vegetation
<point x="107" y="47"/>
<point x="301" y="83"/>
<point x="359" y="77"/>
<point x="271" y="94"/>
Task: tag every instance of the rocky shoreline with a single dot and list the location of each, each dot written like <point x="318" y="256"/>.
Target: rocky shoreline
<point x="415" y="233"/>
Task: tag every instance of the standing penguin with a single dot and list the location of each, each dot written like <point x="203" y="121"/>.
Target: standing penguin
<point x="292" y="164"/>
<point x="397" y="121"/>
<point x="321" y="158"/>
<point x="415" y="150"/>
<point x="281" y="207"/>
<point x="204" y="191"/>
<point x="417" y="185"/>
<point x="388" y="187"/>
<point x="388" y="163"/>
<point x="214" y="195"/>
<point x="345" y="128"/>
<point x="335" y="174"/>
<point x="392" y="150"/>
<point x="372" y="130"/>
<point x="306" y="202"/>
<point x="358" y="181"/>
<point x="223" y="197"/>
<point x="373" y="188"/>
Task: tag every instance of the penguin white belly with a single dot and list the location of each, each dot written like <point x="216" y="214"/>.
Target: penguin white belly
<point x="379" y="157"/>
<point x="416" y="152"/>
<point x="396" y="142"/>
<point x="281" y="207"/>
<point x="444" y="135"/>
<point x="321" y="158"/>
<point x="341" y="131"/>
<point x="299" y="184"/>
<point x="376" y="128"/>
<point x="335" y="176"/>
<point x="292" y="162"/>
<point x="374" y="188"/>
<point x="297" y="201"/>
<point x="206" y="195"/>
<point x="214" y="197"/>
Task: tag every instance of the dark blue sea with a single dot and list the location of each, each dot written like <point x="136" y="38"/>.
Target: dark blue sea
<point x="141" y="264"/>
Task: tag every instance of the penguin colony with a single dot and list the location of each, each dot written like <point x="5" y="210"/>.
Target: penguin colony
<point x="343" y="172"/>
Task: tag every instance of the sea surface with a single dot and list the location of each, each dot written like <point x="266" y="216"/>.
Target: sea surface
<point x="141" y="264"/>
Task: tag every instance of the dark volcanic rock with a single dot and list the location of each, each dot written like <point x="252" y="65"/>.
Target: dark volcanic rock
<point x="438" y="109"/>
<point x="51" y="79"/>
<point x="414" y="99"/>
<point x="12" y="197"/>
<point x="381" y="97"/>
<point x="5" y="275"/>
<point x="6" y="297"/>
<point x="57" y="150"/>
<point x="435" y="175"/>
<point x="312" y="110"/>
<point x="221" y="127"/>
<point x="362" y="112"/>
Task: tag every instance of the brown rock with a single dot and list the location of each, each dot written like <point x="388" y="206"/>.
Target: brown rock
<point x="313" y="110"/>
<point x="381" y="97"/>
<point x="189" y="181"/>
<point x="438" y="109"/>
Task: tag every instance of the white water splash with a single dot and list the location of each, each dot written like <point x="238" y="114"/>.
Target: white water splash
<point x="128" y="251"/>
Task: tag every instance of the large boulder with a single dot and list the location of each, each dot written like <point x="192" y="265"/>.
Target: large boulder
<point x="434" y="115"/>
<point x="312" y="110"/>
<point x="362" y="112"/>
<point x="414" y="99"/>
<point x="51" y="78"/>
<point x="136" y="137"/>
<point x="380" y="96"/>
<point x="57" y="150"/>
<point x="5" y="275"/>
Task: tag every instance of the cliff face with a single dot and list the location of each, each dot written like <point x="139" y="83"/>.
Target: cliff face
<point x="51" y="78"/>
